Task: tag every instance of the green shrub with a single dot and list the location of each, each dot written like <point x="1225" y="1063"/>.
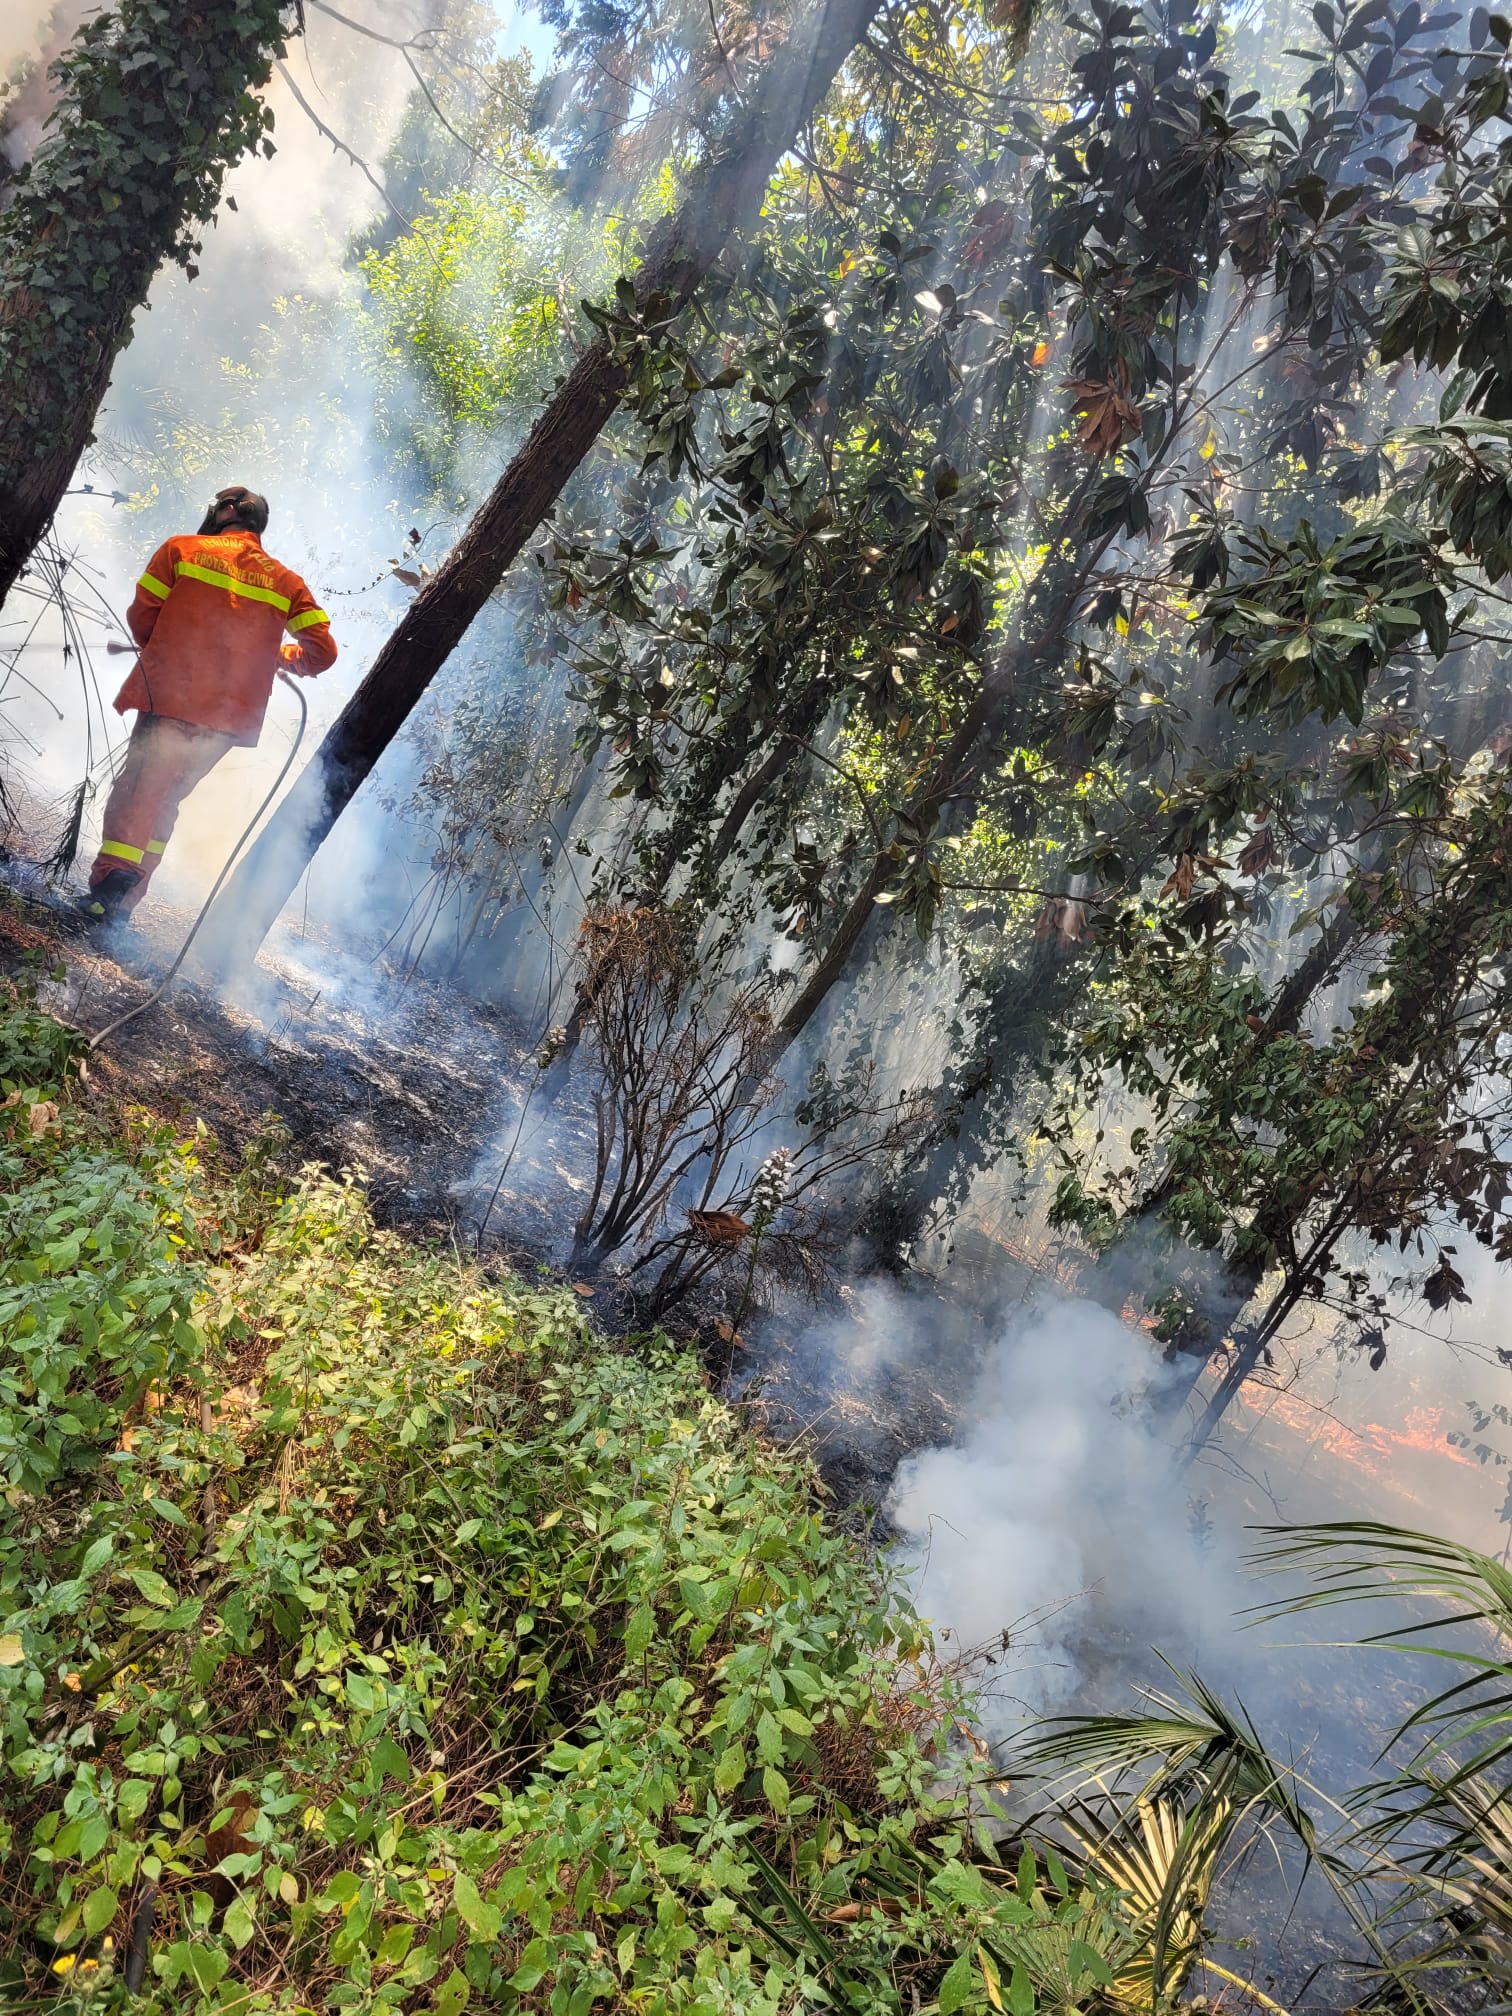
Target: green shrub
<point x="94" y="1299"/>
<point x="421" y="1649"/>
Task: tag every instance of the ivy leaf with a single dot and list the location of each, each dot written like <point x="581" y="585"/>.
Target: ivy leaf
<point x="100" y="1908"/>
<point x="238" y="1923"/>
<point x="153" y="1589"/>
<point x="453" y="1994"/>
<point x="131" y="1801"/>
<point x="389" y="1760"/>
<point x="96" y="1555"/>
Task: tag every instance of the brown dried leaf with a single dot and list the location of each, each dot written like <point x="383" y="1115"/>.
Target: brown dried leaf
<point x="719" y="1228"/>
<point x="993" y="227"/>
<point x="237" y="1403"/>
<point x="1182" y="878"/>
<point x="849" y="1914"/>
<point x="1443" y="1286"/>
<point x="1106" y="416"/>
<point x="979" y="1749"/>
<point x="1064" y="916"/>
<point x="1259" y="851"/>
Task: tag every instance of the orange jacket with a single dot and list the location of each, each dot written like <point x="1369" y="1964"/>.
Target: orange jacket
<point x="209" y="616"/>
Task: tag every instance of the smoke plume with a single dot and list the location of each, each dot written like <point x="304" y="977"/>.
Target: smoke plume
<point x="33" y="34"/>
<point x="1057" y="1515"/>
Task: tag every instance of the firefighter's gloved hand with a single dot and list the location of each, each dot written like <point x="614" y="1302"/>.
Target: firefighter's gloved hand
<point x="292" y="659"/>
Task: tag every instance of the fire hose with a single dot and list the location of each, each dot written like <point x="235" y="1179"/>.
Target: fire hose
<point x="231" y="859"/>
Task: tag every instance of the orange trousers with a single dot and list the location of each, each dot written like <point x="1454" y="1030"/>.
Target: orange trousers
<point x="165" y="759"/>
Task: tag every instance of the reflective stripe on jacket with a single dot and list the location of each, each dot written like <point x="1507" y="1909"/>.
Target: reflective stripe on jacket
<point x="210" y="615"/>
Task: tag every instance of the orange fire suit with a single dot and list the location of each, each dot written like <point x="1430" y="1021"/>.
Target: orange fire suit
<point x="209" y="617"/>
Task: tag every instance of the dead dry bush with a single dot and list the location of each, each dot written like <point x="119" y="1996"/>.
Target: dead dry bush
<point x="683" y="1098"/>
<point x="678" y="1068"/>
<point x="786" y="1225"/>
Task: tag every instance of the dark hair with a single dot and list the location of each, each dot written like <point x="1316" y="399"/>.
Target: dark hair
<point x="250" y="513"/>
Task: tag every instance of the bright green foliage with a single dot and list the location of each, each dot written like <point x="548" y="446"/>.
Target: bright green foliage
<point x="428" y="1651"/>
<point x="91" y="1289"/>
<point x="468" y="299"/>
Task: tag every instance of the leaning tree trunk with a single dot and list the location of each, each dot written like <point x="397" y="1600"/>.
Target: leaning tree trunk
<point x="723" y="199"/>
<point x="156" y="101"/>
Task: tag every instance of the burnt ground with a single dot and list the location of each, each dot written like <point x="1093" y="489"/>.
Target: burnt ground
<point x="417" y="1088"/>
<point x="409" y="1084"/>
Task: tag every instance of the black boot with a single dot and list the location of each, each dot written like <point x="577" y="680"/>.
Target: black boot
<point x="102" y="904"/>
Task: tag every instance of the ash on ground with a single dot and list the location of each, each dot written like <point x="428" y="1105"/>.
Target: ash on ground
<point x="401" y="1080"/>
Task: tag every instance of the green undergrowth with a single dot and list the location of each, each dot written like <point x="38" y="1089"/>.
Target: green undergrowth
<point x="373" y="1635"/>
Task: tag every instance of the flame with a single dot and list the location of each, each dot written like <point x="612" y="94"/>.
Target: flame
<point x="1370" y="1446"/>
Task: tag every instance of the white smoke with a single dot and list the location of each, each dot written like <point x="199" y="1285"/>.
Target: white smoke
<point x="1059" y="1515"/>
<point x="33" y="33"/>
<point x="1056" y="1511"/>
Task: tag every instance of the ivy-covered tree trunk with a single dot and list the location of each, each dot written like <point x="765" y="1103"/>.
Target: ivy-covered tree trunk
<point x="157" y="99"/>
<point x="723" y="199"/>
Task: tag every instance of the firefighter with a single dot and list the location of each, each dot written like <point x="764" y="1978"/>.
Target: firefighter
<point x="209" y="619"/>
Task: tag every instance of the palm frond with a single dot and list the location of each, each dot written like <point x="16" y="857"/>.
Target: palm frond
<point x="1192" y="1733"/>
<point x="1161" y="1857"/>
<point x="1438" y="1827"/>
<point x="1361" y="1560"/>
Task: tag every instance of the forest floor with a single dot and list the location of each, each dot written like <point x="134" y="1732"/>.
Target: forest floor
<point x="402" y="1082"/>
<point x="417" y="1087"/>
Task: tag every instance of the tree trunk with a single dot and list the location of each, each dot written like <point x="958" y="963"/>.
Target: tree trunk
<point x="1316" y="970"/>
<point x="156" y="102"/>
<point x="953" y="777"/>
<point x="806" y="1003"/>
<point x="723" y="199"/>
